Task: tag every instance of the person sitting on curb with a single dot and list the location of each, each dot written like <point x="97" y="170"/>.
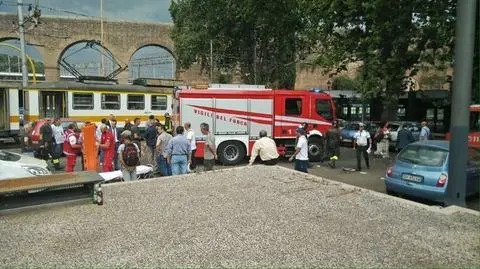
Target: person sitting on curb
<point x="266" y="148"/>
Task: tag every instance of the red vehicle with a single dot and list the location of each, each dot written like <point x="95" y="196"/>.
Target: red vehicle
<point x="32" y="137"/>
<point x="236" y="114"/>
<point x="474" y="135"/>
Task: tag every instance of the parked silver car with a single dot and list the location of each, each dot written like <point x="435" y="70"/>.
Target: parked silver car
<point x="395" y="126"/>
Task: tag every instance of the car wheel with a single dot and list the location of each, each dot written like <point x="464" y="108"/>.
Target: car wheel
<point x="231" y="152"/>
<point x="315" y="149"/>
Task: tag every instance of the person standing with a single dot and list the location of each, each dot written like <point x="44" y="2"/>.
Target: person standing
<point x="57" y="132"/>
<point x="333" y="144"/>
<point x="136" y="136"/>
<point x="301" y="151"/>
<point x="46" y="138"/>
<point x="162" y="141"/>
<point x="71" y="147"/>
<point x="425" y="132"/>
<point x="266" y="148"/>
<point x="193" y="144"/>
<point x="179" y="152"/>
<point x="404" y="137"/>
<point x="98" y="134"/>
<point x="129" y="158"/>
<point x="116" y="136"/>
<point x="127" y="126"/>
<point x="210" y="150"/>
<point x="107" y="144"/>
<point x="361" y="144"/>
<point x="151" y="138"/>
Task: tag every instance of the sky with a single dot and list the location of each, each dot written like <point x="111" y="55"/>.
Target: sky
<point x="133" y="10"/>
<point x="129" y="10"/>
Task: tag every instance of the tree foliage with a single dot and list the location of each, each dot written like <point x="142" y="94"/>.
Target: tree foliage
<point x="239" y="30"/>
<point x="389" y="37"/>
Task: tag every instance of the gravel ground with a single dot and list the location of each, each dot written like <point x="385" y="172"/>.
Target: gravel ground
<point x="249" y="216"/>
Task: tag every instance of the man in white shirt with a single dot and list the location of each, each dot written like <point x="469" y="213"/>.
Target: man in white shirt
<point x="362" y="143"/>
<point x="190" y="134"/>
<point x="266" y="148"/>
<point x="425" y="132"/>
<point x="301" y="152"/>
<point x="57" y="133"/>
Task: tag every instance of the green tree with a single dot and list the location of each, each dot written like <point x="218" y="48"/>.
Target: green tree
<point x="389" y="37"/>
<point x="239" y="30"/>
<point x="345" y="83"/>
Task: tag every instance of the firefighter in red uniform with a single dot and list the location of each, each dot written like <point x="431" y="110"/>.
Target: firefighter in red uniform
<point x="107" y="144"/>
<point x="71" y="147"/>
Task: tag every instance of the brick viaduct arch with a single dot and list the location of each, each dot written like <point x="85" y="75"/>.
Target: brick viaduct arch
<point x="56" y="34"/>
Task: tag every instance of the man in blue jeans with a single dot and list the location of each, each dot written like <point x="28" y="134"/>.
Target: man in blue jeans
<point x="179" y="152"/>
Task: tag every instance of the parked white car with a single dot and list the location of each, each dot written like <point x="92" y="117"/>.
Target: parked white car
<point x="13" y="165"/>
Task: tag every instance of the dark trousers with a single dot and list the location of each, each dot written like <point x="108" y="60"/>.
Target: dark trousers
<point x="193" y="164"/>
<point x="301" y="165"/>
<point x="362" y="150"/>
<point x="116" y="162"/>
<point x="270" y="162"/>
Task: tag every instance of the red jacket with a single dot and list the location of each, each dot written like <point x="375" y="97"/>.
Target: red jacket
<point x="67" y="147"/>
<point x="107" y="137"/>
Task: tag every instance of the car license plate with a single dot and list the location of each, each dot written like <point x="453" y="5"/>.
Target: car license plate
<point x="413" y="178"/>
<point x="347" y="140"/>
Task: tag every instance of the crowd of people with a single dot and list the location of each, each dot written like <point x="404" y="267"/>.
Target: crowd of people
<point x="123" y="148"/>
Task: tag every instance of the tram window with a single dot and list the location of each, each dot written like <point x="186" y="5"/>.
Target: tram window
<point x="110" y="101"/>
<point x="135" y="102"/>
<point x="159" y="102"/>
<point x="83" y="101"/>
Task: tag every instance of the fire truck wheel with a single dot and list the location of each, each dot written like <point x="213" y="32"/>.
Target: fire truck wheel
<point x="231" y="152"/>
<point x="315" y="149"/>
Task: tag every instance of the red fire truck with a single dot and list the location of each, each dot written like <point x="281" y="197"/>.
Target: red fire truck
<point x="474" y="134"/>
<point x="237" y="113"/>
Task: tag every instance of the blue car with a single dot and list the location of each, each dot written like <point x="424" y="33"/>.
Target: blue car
<point x="421" y="170"/>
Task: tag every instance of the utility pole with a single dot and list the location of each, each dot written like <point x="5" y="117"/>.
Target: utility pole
<point x="21" y="31"/>
<point x="462" y="84"/>
<point x="102" y="63"/>
<point x="211" y="61"/>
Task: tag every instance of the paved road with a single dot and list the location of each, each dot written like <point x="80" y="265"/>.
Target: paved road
<point x="371" y="179"/>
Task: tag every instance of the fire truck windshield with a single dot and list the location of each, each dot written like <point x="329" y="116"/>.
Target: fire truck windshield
<point x="324" y="109"/>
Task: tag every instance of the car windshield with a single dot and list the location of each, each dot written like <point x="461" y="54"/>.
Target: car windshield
<point x="393" y="127"/>
<point x="7" y="156"/>
<point x="352" y="126"/>
<point x="423" y="155"/>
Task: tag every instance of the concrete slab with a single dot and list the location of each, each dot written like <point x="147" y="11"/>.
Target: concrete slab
<point x="248" y="216"/>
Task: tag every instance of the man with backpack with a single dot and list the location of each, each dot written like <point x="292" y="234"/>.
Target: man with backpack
<point x="129" y="158"/>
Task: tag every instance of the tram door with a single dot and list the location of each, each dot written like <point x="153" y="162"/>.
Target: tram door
<point x="3" y="110"/>
<point x="53" y="105"/>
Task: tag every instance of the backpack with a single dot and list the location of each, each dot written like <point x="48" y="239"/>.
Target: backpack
<point x="130" y="155"/>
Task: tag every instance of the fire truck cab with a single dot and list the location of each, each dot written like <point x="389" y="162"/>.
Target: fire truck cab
<point x="237" y="113"/>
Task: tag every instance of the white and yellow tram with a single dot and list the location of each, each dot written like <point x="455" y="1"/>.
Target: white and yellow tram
<point x="9" y="110"/>
<point x="83" y="101"/>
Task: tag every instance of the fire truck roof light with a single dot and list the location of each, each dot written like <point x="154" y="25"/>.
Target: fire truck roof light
<point x="317" y="90"/>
